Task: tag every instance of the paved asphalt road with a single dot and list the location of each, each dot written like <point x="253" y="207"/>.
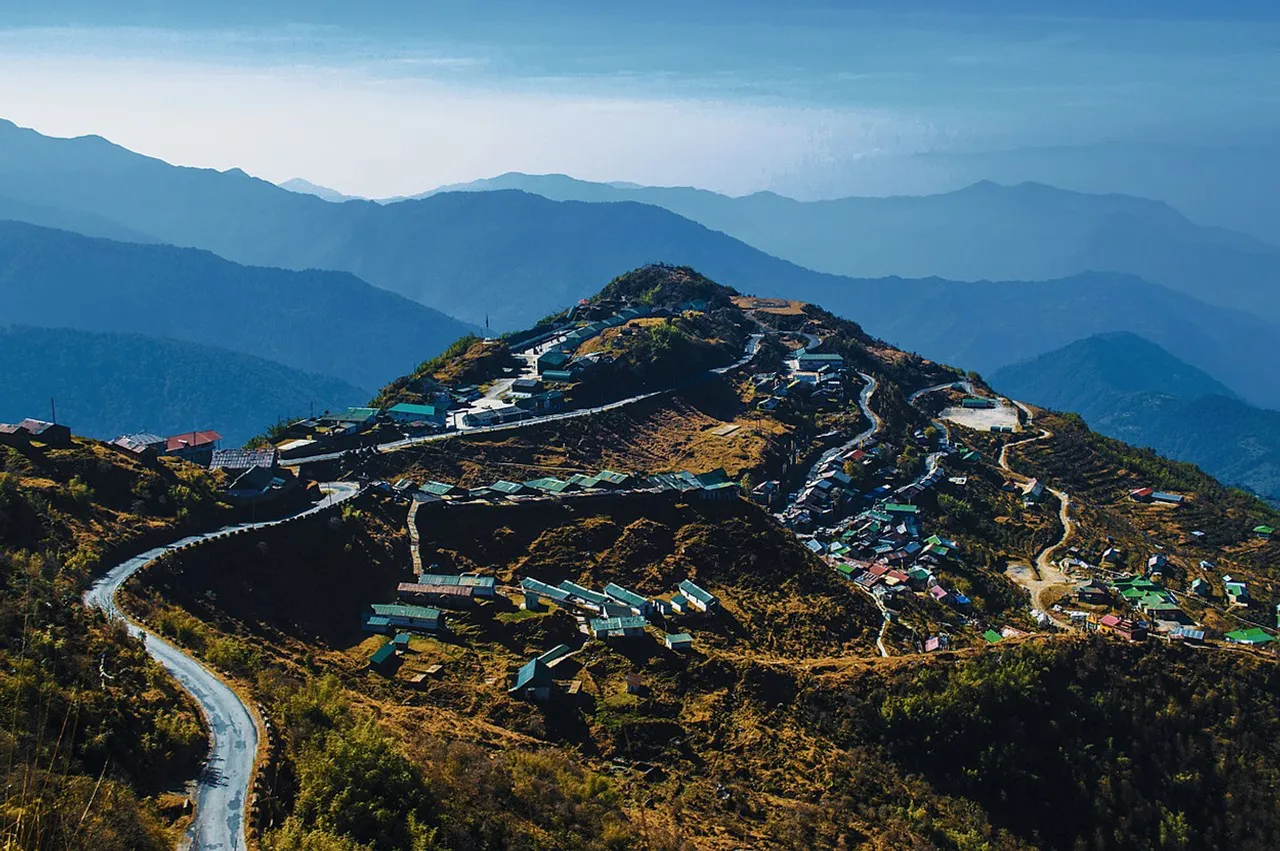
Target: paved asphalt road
<point x="223" y="786"/>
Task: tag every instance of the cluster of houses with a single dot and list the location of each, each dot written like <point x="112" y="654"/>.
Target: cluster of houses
<point x="23" y="434"/>
<point x="810" y="381"/>
<point x="612" y="614"/>
<point x="712" y="485"/>
<point x="250" y="474"/>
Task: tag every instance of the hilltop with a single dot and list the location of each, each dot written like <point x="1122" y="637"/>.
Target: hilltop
<point x="890" y="635"/>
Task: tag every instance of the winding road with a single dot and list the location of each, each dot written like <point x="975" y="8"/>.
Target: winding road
<point x="223" y="786"/>
<point x="1048" y="575"/>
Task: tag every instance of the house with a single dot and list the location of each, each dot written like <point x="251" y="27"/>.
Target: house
<point x="1033" y="491"/>
<point x="680" y="605"/>
<point x="194" y="446"/>
<point x="406" y="413"/>
<point x="637" y="604"/>
<point x="552" y="486"/>
<point x="719" y="492"/>
<point x="812" y="362"/>
<point x="553" y="361"/>
<point x="237" y="462"/>
<point x="1093" y="592"/>
<point x="495" y="416"/>
<point x="14" y="435"/>
<point x="940" y="594"/>
<point x="559" y="376"/>
<point x="1264" y="532"/>
<point x="52" y="435"/>
<point x="508" y="488"/>
<point x="992" y="637"/>
<point x="1168" y="498"/>
<point x="699" y="599"/>
<point x="543" y="591"/>
<point x="533" y="680"/>
<point x="1252" y="636"/>
<point x="662" y="607"/>
<point x="384" y="659"/>
<point x="635" y="685"/>
<point x="441" y="595"/>
<point x="442" y="489"/>
<point x="1111" y="555"/>
<point x="1157" y="563"/>
<point x="1141" y="494"/>
<point x="1200" y="587"/>
<point x="141" y="444"/>
<point x="680" y="641"/>
<point x="481" y="586"/>
<point x="524" y="388"/>
<point x="977" y="402"/>
<point x="389" y="616"/>
<point x="555" y="654"/>
<point x="592" y="599"/>
<point x="1125" y="628"/>
<point x="1237" y="592"/>
<point x="623" y="627"/>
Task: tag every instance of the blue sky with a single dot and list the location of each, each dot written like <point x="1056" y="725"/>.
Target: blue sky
<point x="390" y="98"/>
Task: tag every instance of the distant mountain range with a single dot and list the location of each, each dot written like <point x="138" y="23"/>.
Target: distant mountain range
<point x="983" y="232"/>
<point x="511" y="257"/>
<point x="306" y="187"/>
<point x="110" y="384"/>
<point x="330" y="323"/>
<point x="1131" y="389"/>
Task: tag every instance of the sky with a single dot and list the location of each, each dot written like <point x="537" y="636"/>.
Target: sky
<point x="391" y="98"/>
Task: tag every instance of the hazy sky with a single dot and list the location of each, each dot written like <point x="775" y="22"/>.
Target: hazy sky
<point x="383" y="99"/>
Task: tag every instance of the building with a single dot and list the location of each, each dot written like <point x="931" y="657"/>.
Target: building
<point x="633" y="601"/>
<point x="1033" y="491"/>
<point x="194" y="446"/>
<point x="387" y="617"/>
<point x="14" y="435"/>
<point x="619" y="627"/>
<point x="553" y="361"/>
<point x="1237" y="591"/>
<point x="52" y="435"/>
<point x="524" y="388"/>
<point x="141" y="444"/>
<point x="1200" y="587"/>
<point x="1264" y="532"/>
<point x="680" y="641"/>
<point x="236" y="462"/>
<point x="481" y="586"/>
<point x="1141" y="494"/>
<point x="406" y="413"/>
<point x="977" y="402"/>
<point x="440" y="595"/>
<point x="555" y="654"/>
<point x="1254" y="636"/>
<point x="1094" y="593"/>
<point x="495" y="416"/>
<point x="1168" y="498"/>
<point x="591" y="599"/>
<point x="533" y="681"/>
<point x="542" y="591"/>
<point x="1125" y="628"/>
<point x="384" y="659"/>
<point x="699" y="599"/>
